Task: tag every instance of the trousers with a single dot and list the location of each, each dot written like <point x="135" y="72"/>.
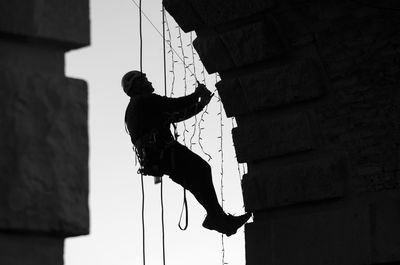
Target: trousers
<point x="193" y="173"/>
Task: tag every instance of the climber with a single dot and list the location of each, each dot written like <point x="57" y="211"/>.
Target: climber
<point x="148" y="118"/>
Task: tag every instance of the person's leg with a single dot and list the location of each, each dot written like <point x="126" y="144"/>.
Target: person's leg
<point x="193" y="173"/>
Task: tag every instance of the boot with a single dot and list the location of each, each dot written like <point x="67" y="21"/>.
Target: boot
<point x="225" y="224"/>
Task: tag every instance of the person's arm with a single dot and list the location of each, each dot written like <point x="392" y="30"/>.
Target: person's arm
<point x="180" y="109"/>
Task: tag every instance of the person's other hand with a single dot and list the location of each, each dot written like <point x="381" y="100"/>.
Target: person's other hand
<point x="204" y="100"/>
<point x="202" y="90"/>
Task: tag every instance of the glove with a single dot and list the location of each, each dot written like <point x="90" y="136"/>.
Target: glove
<point x="202" y="90"/>
<point x="204" y="94"/>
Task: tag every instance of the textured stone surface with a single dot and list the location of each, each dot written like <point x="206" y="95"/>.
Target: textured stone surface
<point x="278" y="184"/>
<point x="44" y="158"/>
<point x="31" y="249"/>
<point x="295" y="81"/>
<point x="262" y="136"/>
<point x="195" y="14"/>
<point x="362" y="115"/>
<point x="336" y="237"/>
<point x="244" y="45"/>
<point x="63" y="21"/>
<point x="32" y="58"/>
<point x="386" y="230"/>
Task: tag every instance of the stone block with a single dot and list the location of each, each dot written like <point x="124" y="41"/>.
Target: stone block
<point x="44" y="154"/>
<point x="295" y="81"/>
<point x="243" y="46"/>
<point x="262" y="136"/>
<point x="386" y="230"/>
<point x="31" y="58"/>
<point x="31" y="249"/>
<point x="198" y="14"/>
<point x="184" y="14"/>
<point x="335" y="237"/>
<point x="62" y="21"/>
<point x="269" y="185"/>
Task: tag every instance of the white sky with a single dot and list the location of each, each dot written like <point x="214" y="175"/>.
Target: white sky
<point x="115" y="190"/>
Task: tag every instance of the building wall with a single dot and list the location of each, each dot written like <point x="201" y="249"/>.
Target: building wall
<point x="43" y="130"/>
<point x="314" y="87"/>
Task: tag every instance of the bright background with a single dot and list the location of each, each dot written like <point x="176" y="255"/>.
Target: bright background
<point x="115" y="188"/>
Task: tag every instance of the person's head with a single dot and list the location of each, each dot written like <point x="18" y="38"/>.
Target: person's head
<point x="136" y="83"/>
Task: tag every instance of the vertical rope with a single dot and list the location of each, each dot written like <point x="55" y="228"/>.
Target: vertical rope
<point x="202" y="120"/>
<point x="143" y="231"/>
<point x="165" y="94"/>
<point x="140" y="36"/>
<point x="162" y="220"/>
<point x="142" y="184"/>
<point x="221" y="150"/>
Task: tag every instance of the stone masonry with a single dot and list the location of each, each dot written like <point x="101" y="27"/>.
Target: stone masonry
<point x="43" y="131"/>
<point x="314" y="87"/>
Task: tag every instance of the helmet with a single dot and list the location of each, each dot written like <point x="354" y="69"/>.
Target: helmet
<point x="128" y="81"/>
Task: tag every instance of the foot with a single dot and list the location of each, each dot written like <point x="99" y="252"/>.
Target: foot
<point x="226" y="224"/>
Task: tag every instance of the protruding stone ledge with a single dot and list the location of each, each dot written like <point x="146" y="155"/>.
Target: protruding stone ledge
<point x="292" y="82"/>
<point x="386" y="230"/>
<point x="268" y="185"/>
<point x="239" y="47"/>
<point x="20" y="57"/>
<point x="195" y="14"/>
<point x="30" y="249"/>
<point x="336" y="236"/>
<point x="44" y="158"/>
<point x="261" y="136"/>
<point x="64" y="22"/>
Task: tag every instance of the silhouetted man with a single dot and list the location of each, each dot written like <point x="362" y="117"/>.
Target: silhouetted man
<point x="148" y="118"/>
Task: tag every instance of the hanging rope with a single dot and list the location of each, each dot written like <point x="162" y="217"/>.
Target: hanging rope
<point x="165" y="94"/>
<point x="221" y="150"/>
<point x="141" y="175"/>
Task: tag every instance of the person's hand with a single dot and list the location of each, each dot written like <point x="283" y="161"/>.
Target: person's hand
<point x="202" y="90"/>
<point x="204" y="100"/>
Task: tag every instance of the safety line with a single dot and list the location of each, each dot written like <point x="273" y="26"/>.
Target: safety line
<point x="141" y="175"/>
<point x="222" y="168"/>
<point x="158" y="31"/>
<point x="165" y="94"/>
<point x="143" y="228"/>
<point x="162" y="219"/>
<point x="141" y="36"/>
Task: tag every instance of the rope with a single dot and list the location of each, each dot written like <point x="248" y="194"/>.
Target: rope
<point x="143" y="227"/>
<point x="162" y="220"/>
<point x="165" y="93"/>
<point x="222" y="168"/>
<point x="141" y="36"/>
<point x="158" y="31"/>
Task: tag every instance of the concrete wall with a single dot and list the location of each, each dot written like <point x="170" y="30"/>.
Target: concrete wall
<point x="314" y="87"/>
<point x="43" y="130"/>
